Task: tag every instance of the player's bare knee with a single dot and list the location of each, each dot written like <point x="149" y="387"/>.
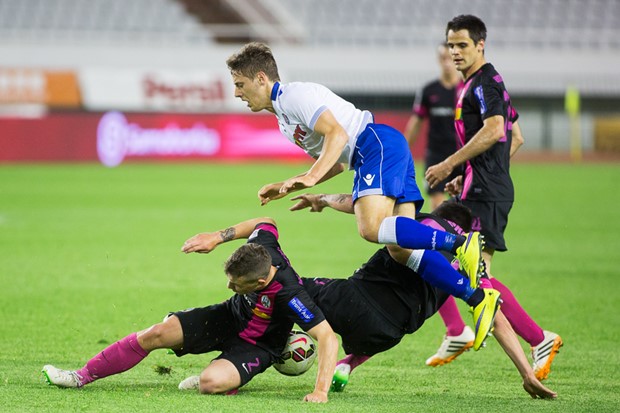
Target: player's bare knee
<point x="211" y="384"/>
<point x="157" y="336"/>
<point x="368" y="233"/>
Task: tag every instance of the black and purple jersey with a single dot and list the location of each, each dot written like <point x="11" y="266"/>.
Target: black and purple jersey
<point x="436" y="102"/>
<point x="486" y="176"/>
<point x="382" y="301"/>
<point x="266" y="317"/>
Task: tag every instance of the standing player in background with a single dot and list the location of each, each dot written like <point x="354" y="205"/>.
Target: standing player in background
<point x="385" y="194"/>
<point x="488" y="132"/>
<point x="435" y="103"/>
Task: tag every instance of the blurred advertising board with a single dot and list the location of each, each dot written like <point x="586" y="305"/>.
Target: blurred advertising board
<point x="50" y="88"/>
<point x="158" y="90"/>
<point x="113" y="138"/>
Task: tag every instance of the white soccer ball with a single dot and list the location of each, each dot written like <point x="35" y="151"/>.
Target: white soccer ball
<point x="298" y="355"/>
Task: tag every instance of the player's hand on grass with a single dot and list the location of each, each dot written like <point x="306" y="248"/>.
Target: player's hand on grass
<point x="202" y="243"/>
<point x="312" y="201"/>
<point x="316" y="397"/>
<point x="536" y="389"/>
<point x="455" y="186"/>
<point x="270" y="192"/>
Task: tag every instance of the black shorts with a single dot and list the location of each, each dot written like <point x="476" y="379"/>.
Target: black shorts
<point x="363" y="330"/>
<point x="212" y="328"/>
<point x="491" y="219"/>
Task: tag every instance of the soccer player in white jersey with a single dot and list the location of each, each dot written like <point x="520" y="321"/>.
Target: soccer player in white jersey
<point x="385" y="195"/>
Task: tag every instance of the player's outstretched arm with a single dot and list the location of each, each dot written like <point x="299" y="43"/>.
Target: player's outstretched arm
<point x="507" y="338"/>
<point x="271" y="192"/>
<point x="317" y="202"/>
<point x="206" y="242"/>
<point x="327" y="344"/>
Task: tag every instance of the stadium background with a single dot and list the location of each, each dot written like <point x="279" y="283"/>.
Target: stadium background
<point x="67" y="62"/>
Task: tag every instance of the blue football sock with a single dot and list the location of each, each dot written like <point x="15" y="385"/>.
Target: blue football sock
<point x="409" y="233"/>
<point x="435" y="269"/>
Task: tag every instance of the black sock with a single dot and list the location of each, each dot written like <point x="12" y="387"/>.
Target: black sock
<point x="460" y="240"/>
<point x="476" y="298"/>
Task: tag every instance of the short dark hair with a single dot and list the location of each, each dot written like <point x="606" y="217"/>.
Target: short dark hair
<point x="250" y="261"/>
<point x="253" y="58"/>
<point x="455" y="212"/>
<point x="476" y="27"/>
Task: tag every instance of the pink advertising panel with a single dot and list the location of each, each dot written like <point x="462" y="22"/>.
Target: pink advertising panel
<point x="114" y="137"/>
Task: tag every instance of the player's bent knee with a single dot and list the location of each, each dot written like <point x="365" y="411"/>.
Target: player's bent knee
<point x="161" y="335"/>
<point x="219" y="377"/>
<point x="212" y="384"/>
<point x="369" y="234"/>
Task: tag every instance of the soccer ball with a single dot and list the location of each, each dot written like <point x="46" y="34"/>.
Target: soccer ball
<point x="298" y="355"/>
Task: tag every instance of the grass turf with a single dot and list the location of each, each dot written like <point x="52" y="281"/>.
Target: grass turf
<point x="89" y="255"/>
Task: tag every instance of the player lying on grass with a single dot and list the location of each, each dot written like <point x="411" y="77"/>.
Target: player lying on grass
<point x="383" y="300"/>
<point x="386" y="197"/>
<point x="250" y="329"/>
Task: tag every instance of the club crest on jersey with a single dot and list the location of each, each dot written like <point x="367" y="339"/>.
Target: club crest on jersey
<point x="299" y="136"/>
<point x="265" y="301"/>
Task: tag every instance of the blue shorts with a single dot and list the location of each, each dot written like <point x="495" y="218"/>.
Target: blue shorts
<point x="383" y="166"/>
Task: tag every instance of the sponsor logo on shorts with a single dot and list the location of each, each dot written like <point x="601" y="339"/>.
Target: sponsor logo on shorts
<point x="249" y="366"/>
<point x="301" y="309"/>
<point x="368" y="179"/>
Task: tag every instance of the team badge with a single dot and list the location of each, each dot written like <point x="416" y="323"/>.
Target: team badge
<point x="265" y="301"/>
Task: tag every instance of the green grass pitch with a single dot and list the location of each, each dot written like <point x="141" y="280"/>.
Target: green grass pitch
<point x="89" y="255"/>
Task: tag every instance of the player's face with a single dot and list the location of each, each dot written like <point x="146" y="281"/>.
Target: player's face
<point x="255" y="92"/>
<point x="466" y="55"/>
<point x="242" y="285"/>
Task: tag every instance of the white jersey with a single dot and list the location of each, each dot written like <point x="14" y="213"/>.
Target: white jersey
<point x="298" y="106"/>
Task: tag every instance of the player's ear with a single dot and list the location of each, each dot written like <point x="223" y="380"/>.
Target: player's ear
<point x="480" y="45"/>
<point x="262" y="78"/>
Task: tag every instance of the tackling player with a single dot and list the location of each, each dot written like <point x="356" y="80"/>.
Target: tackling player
<point x="250" y="329"/>
<point x="385" y="193"/>
<point x="382" y="301"/>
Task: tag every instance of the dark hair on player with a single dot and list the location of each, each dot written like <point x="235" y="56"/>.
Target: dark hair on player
<point x="455" y="212"/>
<point x="253" y="58"/>
<point x="250" y="261"/>
<point x="476" y="27"/>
